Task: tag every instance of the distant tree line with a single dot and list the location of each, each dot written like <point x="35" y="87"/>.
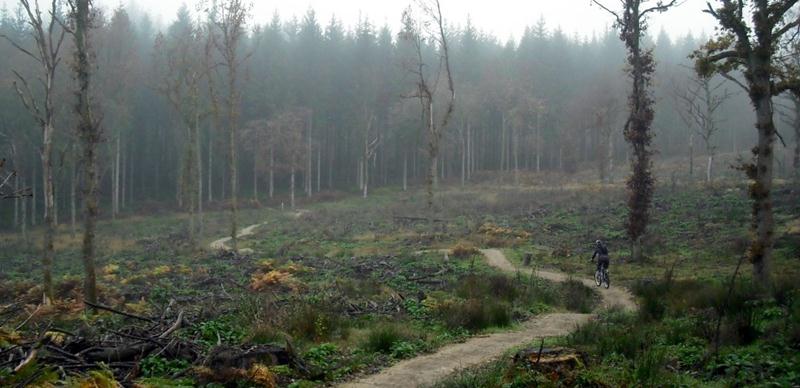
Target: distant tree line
<point x="321" y="106"/>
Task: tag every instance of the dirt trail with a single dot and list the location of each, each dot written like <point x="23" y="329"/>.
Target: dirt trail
<point x="428" y="369"/>
<point x="222" y="244"/>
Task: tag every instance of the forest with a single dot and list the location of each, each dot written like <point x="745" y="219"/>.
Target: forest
<point x="238" y="199"/>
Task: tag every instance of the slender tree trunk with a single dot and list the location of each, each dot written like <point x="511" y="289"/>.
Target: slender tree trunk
<point x="124" y="178"/>
<point x="610" y="158"/>
<point x="405" y="170"/>
<point x="691" y="155"/>
<point x="255" y="176"/>
<point x="72" y="200"/>
<point x="24" y="220"/>
<point x="291" y="187"/>
<point x="515" y="148"/>
<point x="503" y="143"/>
<point x="271" y="172"/>
<point x="319" y="169"/>
<point x="115" y="197"/>
<point x="34" y="199"/>
<point x="709" y="166"/>
<point x="49" y="208"/>
<point x="538" y="142"/>
<point x="310" y="152"/>
<point x="88" y="130"/>
<point x="16" y="201"/>
<point x="210" y="168"/>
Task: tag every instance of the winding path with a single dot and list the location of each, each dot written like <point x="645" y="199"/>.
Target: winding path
<point x="430" y="368"/>
<point x="222" y="244"/>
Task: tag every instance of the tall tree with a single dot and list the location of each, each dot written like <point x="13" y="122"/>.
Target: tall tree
<point x="48" y="37"/>
<point x="89" y="132"/>
<point x="183" y="71"/>
<point x="414" y="31"/>
<point x="632" y="24"/>
<point x="228" y="20"/>
<point x="755" y="48"/>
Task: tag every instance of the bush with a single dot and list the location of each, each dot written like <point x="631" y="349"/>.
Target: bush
<point x="315" y="323"/>
<point x="474" y="314"/>
<point x="463" y="250"/>
<point x="498" y="285"/>
<point x="578" y="297"/>
<point x="383" y="338"/>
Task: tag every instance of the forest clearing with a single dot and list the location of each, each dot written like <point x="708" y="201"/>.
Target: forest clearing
<point x="216" y="194"/>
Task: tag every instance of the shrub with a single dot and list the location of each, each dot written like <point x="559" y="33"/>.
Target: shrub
<point x="476" y="287"/>
<point x="315" y="323"/>
<point x="578" y="297"/>
<point x="383" y="338"/>
<point x="463" y="250"/>
<point x="474" y="314"/>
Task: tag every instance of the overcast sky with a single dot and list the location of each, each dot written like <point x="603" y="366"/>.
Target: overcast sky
<point x="503" y="18"/>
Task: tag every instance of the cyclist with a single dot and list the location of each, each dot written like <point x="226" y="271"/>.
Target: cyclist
<point x="601" y="253"/>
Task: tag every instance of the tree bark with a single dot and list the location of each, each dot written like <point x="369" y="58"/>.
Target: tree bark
<point x="49" y="209"/>
<point x="89" y="132"/>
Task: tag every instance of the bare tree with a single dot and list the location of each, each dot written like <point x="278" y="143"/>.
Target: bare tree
<point x="48" y="37"/>
<point x="756" y="47"/>
<point x="632" y="24"/>
<point x="227" y="21"/>
<point x="90" y="134"/>
<point x="418" y="31"/>
<point x="372" y="138"/>
<point x="184" y="71"/>
<point x="700" y="101"/>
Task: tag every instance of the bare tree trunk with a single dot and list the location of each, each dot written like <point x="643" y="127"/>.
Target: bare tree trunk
<point x="210" y="168"/>
<point x="255" y="176"/>
<point x="538" y="142"/>
<point x="124" y="174"/>
<point x="16" y="201"/>
<point x="361" y="174"/>
<point x="503" y="143"/>
<point x="34" y="199"/>
<point x="291" y="189"/>
<point x="761" y="174"/>
<point x="49" y="209"/>
<point x="691" y="155"/>
<point x="271" y="172"/>
<point x="88" y="129"/>
<point x="319" y="169"/>
<point x="515" y="148"/>
<point x="709" y="166"/>
<point x="366" y="179"/>
<point x="405" y="170"/>
<point x="115" y="197"/>
<point x="24" y="220"/>
<point x="232" y="182"/>
<point x="72" y="195"/>
<point x="610" y="159"/>
<point x="310" y="152"/>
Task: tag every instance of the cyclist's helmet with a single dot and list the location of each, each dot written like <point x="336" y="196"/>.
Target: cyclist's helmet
<point x="598" y="243"/>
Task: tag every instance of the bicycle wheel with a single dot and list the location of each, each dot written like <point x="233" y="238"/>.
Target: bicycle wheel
<point x="606" y="280"/>
<point x="598" y="278"/>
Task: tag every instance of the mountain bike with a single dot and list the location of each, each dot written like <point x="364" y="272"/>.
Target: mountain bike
<point x="601" y="277"/>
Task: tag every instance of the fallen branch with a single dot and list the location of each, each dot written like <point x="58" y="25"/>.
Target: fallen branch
<point x="115" y="311"/>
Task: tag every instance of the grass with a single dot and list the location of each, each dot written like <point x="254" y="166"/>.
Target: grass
<point x="357" y="281"/>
